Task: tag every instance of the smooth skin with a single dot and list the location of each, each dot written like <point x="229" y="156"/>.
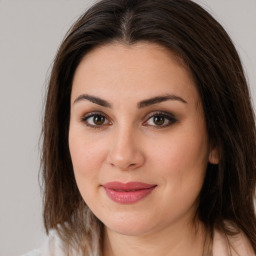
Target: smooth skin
<point x="118" y="134"/>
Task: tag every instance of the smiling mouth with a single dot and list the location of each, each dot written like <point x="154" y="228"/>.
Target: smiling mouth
<point x="128" y="193"/>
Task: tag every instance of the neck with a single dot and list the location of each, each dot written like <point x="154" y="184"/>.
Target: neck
<point x="179" y="240"/>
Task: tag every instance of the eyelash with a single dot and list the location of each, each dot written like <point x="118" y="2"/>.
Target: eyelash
<point x="85" y="118"/>
<point x="169" y="118"/>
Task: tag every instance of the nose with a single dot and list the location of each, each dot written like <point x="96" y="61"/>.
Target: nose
<point x="125" y="152"/>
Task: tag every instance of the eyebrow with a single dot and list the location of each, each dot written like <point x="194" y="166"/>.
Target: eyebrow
<point x="159" y="99"/>
<point x="141" y="104"/>
<point x="93" y="99"/>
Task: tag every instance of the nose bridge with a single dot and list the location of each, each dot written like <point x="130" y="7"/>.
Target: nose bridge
<point x="125" y="151"/>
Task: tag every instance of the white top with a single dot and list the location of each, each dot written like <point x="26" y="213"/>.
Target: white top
<point x="240" y="246"/>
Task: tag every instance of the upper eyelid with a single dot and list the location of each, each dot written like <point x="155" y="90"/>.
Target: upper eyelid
<point x="152" y="113"/>
<point x="164" y="113"/>
<point x="89" y="114"/>
<point x="85" y="118"/>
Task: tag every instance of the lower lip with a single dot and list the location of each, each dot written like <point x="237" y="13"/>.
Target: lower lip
<point x="128" y="197"/>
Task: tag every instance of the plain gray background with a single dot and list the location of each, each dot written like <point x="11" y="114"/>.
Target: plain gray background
<point x="30" y="33"/>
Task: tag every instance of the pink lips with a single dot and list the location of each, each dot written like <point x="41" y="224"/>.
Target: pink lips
<point x="127" y="193"/>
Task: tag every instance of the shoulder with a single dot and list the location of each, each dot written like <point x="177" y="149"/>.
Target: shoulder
<point x="52" y="245"/>
<point x="237" y="245"/>
<point x="33" y="253"/>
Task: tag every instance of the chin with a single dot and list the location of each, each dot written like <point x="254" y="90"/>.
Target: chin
<point x="129" y="226"/>
<point x="128" y="230"/>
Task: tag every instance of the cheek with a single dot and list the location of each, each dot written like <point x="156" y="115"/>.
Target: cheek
<point x="86" y="149"/>
<point x="181" y="167"/>
<point x="87" y="157"/>
<point x="181" y="162"/>
<point x="84" y="156"/>
<point x="180" y="152"/>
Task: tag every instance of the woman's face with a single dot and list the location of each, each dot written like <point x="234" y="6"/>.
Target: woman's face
<point x="137" y="137"/>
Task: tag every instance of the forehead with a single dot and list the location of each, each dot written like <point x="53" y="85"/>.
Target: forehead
<point x="143" y="68"/>
<point x="121" y="55"/>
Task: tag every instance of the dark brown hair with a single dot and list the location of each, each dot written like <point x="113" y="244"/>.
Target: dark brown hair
<point x="185" y="28"/>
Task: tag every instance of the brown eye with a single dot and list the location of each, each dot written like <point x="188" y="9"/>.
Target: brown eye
<point x="95" y="120"/>
<point x="98" y="119"/>
<point x="159" y="120"/>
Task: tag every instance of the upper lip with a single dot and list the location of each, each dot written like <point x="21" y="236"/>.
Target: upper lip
<point x="116" y="185"/>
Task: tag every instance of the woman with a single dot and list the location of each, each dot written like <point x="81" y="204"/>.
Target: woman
<point x="148" y="136"/>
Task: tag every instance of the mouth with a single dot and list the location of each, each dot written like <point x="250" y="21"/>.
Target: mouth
<point x="128" y="193"/>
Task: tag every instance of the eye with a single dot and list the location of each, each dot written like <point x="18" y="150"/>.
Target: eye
<point x="95" y="120"/>
<point x="160" y="120"/>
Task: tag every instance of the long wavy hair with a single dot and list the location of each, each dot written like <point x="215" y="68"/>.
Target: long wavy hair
<point x="185" y="28"/>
